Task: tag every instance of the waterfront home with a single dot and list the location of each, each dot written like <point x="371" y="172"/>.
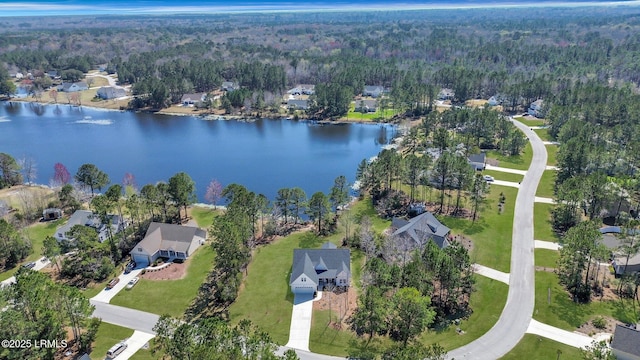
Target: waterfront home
<point x="298" y="103"/>
<point x="169" y="241"/>
<point x="192" y="99"/>
<point x="315" y="269"/>
<point x="73" y="87"/>
<point x="535" y="109"/>
<point x="87" y="218"/>
<point x="366" y="106"/>
<point x="110" y="92"/>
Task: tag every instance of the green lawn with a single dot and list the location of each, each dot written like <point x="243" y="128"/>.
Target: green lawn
<point x="375" y="116"/>
<point x="203" y="216"/>
<point x="147" y="354"/>
<point x="542" y="229"/>
<point x="504" y="176"/>
<point x="170" y="297"/>
<point x="520" y="162"/>
<point x="365" y="208"/>
<point x="565" y="314"/>
<point x="532" y="122"/>
<point x="107" y="336"/>
<point x="36" y="234"/>
<point x="487" y="304"/>
<point x="547" y="183"/>
<point x="534" y="347"/>
<point x="543" y="134"/>
<point x="552" y="155"/>
<point x="546" y="258"/>
<point x="491" y="233"/>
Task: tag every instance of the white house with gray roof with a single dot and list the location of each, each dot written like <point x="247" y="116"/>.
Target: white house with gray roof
<point x="167" y="240"/>
<point x="313" y="269"/>
<point x="87" y="218"/>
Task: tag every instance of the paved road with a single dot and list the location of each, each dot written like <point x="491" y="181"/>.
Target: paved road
<point x="516" y="315"/>
<point x="505" y="183"/>
<point x="106" y="295"/>
<point x="40" y="264"/>
<point x="506" y="170"/>
<point x="125" y="317"/>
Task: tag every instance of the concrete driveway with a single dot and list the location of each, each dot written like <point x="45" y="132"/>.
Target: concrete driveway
<point x="40" y="264"/>
<point x="301" y="321"/>
<point x="135" y="343"/>
<point x="563" y="336"/>
<point x="106" y="295"/>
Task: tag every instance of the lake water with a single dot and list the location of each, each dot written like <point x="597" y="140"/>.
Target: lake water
<point x="264" y="155"/>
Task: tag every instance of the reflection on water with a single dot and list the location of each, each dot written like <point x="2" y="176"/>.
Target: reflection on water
<point x="264" y="155"/>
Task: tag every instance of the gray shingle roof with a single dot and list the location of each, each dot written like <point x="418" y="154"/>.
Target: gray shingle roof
<point x="305" y="261"/>
<point x="161" y="236"/>
<point x="423" y="227"/>
<point x="627" y="340"/>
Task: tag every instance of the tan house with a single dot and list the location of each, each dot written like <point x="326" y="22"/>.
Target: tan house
<point x="169" y="241"/>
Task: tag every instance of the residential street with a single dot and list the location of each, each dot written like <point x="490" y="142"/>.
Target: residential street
<point x="516" y="316"/>
<point x="125" y="317"/>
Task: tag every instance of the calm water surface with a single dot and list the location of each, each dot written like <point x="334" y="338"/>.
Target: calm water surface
<point x="264" y="155"/>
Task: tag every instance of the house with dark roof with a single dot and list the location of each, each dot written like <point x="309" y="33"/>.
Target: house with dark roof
<point x="626" y="343"/>
<point x="446" y="94"/>
<point x="51" y="214"/>
<point x="192" y="99"/>
<point x="87" y="218"/>
<point x="314" y="269"/>
<point x="477" y="161"/>
<point x="373" y="90"/>
<point x="366" y="106"/>
<point x="169" y="241"/>
<point x="421" y="229"/>
<point x="110" y="92"/>
<point x="73" y="87"/>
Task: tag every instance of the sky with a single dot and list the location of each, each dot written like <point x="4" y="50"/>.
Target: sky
<point x="122" y="7"/>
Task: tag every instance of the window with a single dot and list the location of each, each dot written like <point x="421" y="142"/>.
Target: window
<point x="303" y="279"/>
<point x="140" y="249"/>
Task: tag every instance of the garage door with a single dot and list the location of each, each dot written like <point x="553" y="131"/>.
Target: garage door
<point x="141" y="261"/>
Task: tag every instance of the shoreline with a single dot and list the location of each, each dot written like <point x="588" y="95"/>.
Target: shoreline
<point x="204" y="116"/>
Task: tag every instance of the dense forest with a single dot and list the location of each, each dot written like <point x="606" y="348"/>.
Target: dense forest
<point x="519" y="55"/>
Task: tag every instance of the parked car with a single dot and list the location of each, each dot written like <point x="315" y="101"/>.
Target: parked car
<point x="130" y="267"/>
<point x="488" y="178"/>
<point x="133" y="282"/>
<point x="29" y="265"/>
<point x="113" y="283"/>
<point x="116" y="350"/>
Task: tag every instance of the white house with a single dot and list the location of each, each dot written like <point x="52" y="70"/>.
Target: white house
<point x="314" y="269"/>
<point x="87" y="218"/>
<point x="169" y="241"/>
<point x="110" y="92"/>
<point x="192" y="99"/>
<point x="372" y="90"/>
<point x="535" y="109"/>
<point x="73" y="87"/>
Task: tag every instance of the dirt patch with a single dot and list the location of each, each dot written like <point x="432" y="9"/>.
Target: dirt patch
<point x="542" y="268"/>
<point x="590" y="329"/>
<point x="341" y="303"/>
<point x="174" y="271"/>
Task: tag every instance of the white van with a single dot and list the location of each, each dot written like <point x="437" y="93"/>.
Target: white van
<point x="116" y="350"/>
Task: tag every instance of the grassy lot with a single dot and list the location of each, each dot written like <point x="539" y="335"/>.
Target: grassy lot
<point x="170" y="297"/>
<point x="39" y="195"/>
<point x="487" y="304"/>
<point x="36" y="234"/>
<point x="144" y="354"/>
<point x="534" y="347"/>
<point x="375" y="116"/>
<point x="108" y="335"/>
<point x="565" y="314"/>
<point x="530" y="122"/>
<point x="365" y="208"/>
<point x="520" y="162"/>
<point x="547" y="182"/>
<point x="552" y="155"/>
<point x="203" y="216"/>
<point x="543" y="134"/>
<point x="499" y="175"/>
<point x="546" y="258"/>
<point x="491" y="233"/>
<point x="542" y="222"/>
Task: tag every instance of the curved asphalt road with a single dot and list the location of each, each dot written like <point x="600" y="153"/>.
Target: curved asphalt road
<point x="516" y="315"/>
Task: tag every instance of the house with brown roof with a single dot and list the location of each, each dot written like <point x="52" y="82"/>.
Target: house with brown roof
<point x="168" y="241"/>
